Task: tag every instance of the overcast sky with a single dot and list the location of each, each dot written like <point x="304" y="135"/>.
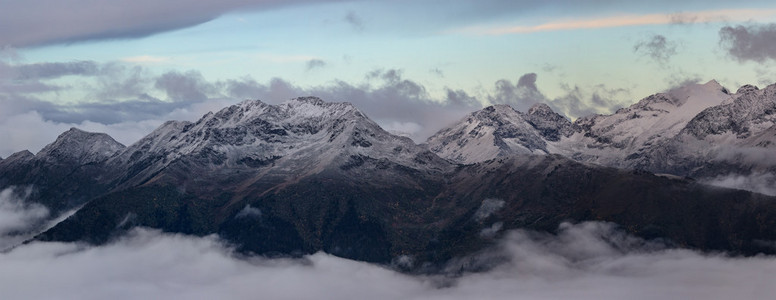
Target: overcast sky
<point x="123" y="67"/>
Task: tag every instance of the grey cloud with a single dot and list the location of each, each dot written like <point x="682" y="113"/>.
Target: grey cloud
<point x="681" y="79"/>
<point x="144" y="108"/>
<point x="392" y="99"/>
<point x="315" y="63"/>
<point x="354" y="20"/>
<point x="657" y="47"/>
<point x="572" y="103"/>
<point x="755" y="42"/>
<point x="28" y="78"/>
<point x="126" y="106"/>
<point x="185" y="87"/>
<point x="55" y="70"/>
<point x="29" y="87"/>
<point x="683" y="18"/>
<point x="243" y="88"/>
<point x="118" y="81"/>
<point x="438" y="72"/>
<point x="387" y="97"/>
<point x="578" y="102"/>
<point x="24" y="23"/>
<point x="461" y="98"/>
<point x="528" y="81"/>
<point x="9" y="53"/>
<point x="521" y="96"/>
<point x="608" y="263"/>
<point x="17" y="216"/>
<point x="549" y="68"/>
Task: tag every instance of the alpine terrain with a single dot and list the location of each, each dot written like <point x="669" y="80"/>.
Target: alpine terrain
<point x="308" y="175"/>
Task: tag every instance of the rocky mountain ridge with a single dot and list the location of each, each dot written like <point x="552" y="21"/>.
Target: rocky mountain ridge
<point x="307" y="175"/>
<point x="698" y="130"/>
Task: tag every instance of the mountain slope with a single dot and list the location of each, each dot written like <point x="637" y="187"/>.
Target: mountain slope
<point x="64" y="174"/>
<point x="615" y="139"/>
<point x="499" y="130"/>
<point x="699" y="130"/>
<point x="303" y="135"/>
<point x="452" y="214"/>
<point x="307" y="176"/>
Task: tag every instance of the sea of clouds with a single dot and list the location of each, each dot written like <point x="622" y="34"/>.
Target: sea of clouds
<point x="591" y="260"/>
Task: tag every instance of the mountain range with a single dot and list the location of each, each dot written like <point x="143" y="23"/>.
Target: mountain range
<point x="308" y="175"/>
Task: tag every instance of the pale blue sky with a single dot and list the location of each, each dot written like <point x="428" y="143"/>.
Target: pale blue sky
<point x="588" y="56"/>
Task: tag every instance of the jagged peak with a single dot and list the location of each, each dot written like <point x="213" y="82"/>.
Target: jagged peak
<point x="252" y="102"/>
<point x="494" y="111"/>
<point x="311" y="100"/>
<point x="666" y="97"/>
<point x="540" y="108"/>
<point x="746" y="89"/>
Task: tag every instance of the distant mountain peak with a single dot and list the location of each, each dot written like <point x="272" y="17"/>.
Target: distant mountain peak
<point x="540" y="109"/>
<point x="551" y="125"/>
<point x="76" y="145"/>
<point x="746" y="89"/>
<point x="713" y="83"/>
<point x="499" y="113"/>
<point x="19" y="156"/>
<point x="310" y="100"/>
<point x="307" y="135"/>
<point x="496" y="130"/>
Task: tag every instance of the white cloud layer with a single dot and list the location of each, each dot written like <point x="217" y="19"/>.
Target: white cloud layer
<point x="763" y="183"/>
<point x="18" y="216"/>
<point x="584" y="261"/>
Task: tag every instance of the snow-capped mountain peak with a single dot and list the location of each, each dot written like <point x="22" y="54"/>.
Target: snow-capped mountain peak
<point x="604" y="139"/>
<point x="551" y="125"/>
<point x="748" y="113"/>
<point x="79" y="146"/>
<point x="302" y="134"/>
<point x="17" y="158"/>
<point x="496" y="130"/>
<point x="652" y="119"/>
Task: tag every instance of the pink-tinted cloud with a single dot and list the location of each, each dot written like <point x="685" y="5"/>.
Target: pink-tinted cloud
<point x="626" y="20"/>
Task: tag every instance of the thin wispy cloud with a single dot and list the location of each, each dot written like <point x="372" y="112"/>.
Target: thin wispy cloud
<point x="315" y="64"/>
<point x="659" y="48"/>
<point x="623" y="21"/>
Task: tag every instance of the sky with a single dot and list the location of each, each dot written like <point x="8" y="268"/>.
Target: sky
<point x="124" y="67"/>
